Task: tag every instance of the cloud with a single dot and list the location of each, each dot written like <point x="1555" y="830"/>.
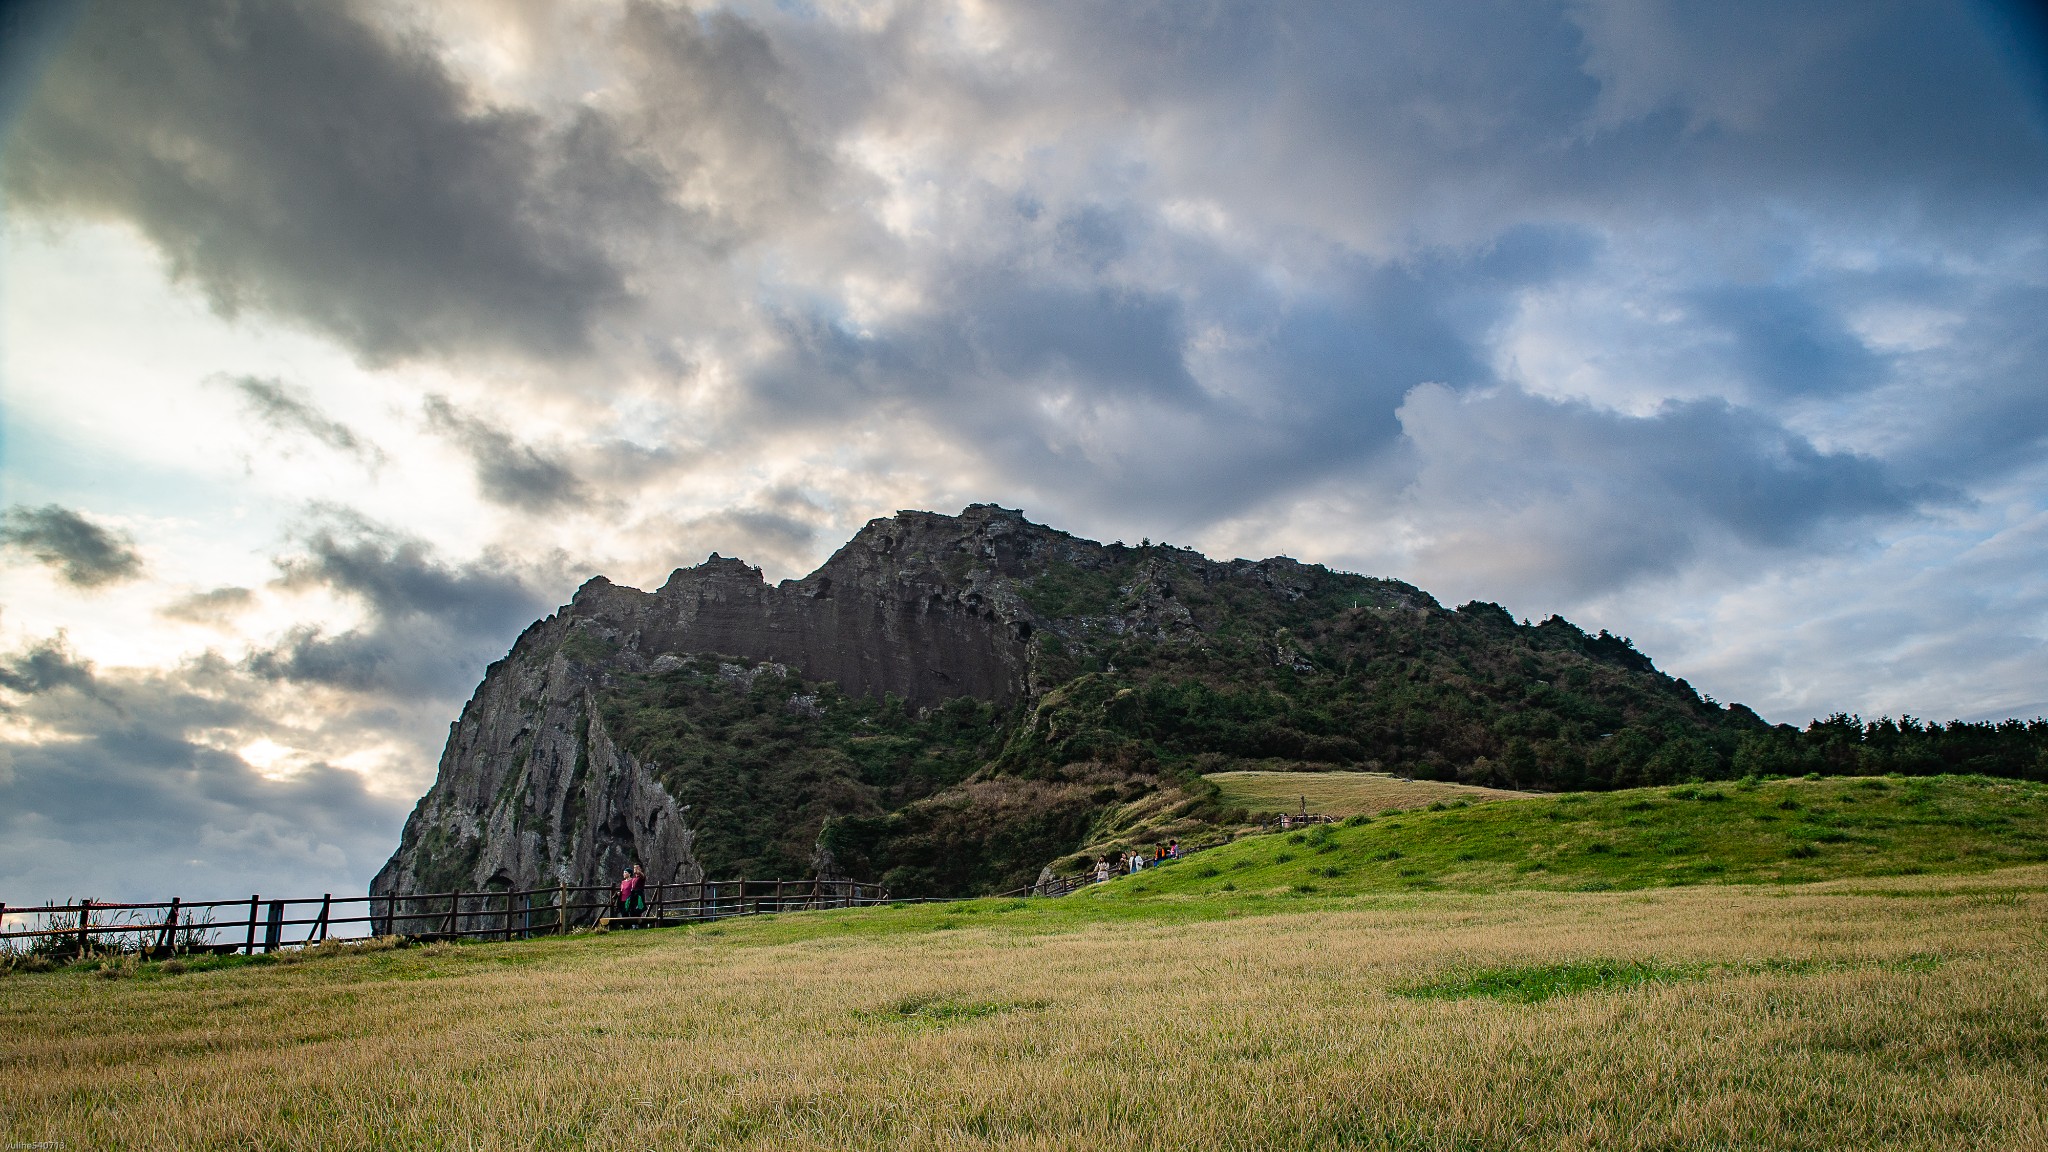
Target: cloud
<point x="1187" y="401"/>
<point x="215" y="607"/>
<point x="123" y="790"/>
<point x="430" y="626"/>
<point x="45" y="667"/>
<point x="83" y="554"/>
<point x="507" y="472"/>
<point x="296" y="159"/>
<point x="1563" y="499"/>
<point x="288" y="409"/>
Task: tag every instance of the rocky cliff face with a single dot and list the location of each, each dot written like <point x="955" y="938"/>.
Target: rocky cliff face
<point x="531" y="788"/>
<point x="950" y="700"/>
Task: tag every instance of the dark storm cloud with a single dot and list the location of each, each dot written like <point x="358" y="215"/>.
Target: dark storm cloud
<point x="1976" y="408"/>
<point x="1081" y="387"/>
<point x="121" y="797"/>
<point x="81" y="552"/>
<point x="431" y="626"/>
<point x="292" y="158"/>
<point x="507" y="472"/>
<point x="1784" y="341"/>
<point x="43" y="667"/>
<point x="1441" y="120"/>
<point x="1575" y="500"/>
<point x="288" y="409"/>
<point x="1394" y="183"/>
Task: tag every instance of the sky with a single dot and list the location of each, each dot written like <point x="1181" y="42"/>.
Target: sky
<point x="339" y="341"/>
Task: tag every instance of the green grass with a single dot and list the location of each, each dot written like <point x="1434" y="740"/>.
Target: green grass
<point x="936" y="1010"/>
<point x="1338" y="793"/>
<point x="1535" y="983"/>
<point x="1531" y="984"/>
<point x="1587" y="842"/>
<point x="1788" y="831"/>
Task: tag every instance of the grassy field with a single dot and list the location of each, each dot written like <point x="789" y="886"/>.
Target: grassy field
<point x="1787" y="831"/>
<point x="1168" y="1011"/>
<point x="1340" y="793"/>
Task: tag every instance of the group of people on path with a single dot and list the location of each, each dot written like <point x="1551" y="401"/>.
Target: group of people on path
<point x="1135" y="861"/>
<point x="632" y="892"/>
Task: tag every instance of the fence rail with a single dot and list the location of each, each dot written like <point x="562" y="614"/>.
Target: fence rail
<point x="261" y="924"/>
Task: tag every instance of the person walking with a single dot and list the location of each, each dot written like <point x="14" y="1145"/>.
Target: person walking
<point x="1101" y="868"/>
<point x="639" y="906"/>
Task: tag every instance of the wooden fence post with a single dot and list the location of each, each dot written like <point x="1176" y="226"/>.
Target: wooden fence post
<point x="561" y="907"/>
<point x="249" y="942"/>
<point x="326" y="905"/>
<point x="454" y="925"/>
<point x="508" y="914"/>
<point x="273" y="932"/>
<point x="84" y="924"/>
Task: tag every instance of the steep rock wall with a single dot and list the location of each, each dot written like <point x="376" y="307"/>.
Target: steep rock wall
<point x="532" y="791"/>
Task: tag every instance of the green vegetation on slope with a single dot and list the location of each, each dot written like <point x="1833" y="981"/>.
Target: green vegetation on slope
<point x="1153" y="668"/>
<point x="1338" y="793"/>
<point x="1332" y="676"/>
<point x="1785" y="831"/>
<point x="768" y="759"/>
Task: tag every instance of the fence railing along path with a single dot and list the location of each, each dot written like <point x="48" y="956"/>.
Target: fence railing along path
<point x="262" y="924"/>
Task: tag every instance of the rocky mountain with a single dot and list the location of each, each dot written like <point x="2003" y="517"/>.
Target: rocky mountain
<point x="950" y="702"/>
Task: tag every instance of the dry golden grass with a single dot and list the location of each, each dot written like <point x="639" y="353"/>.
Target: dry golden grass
<point x="1341" y="793"/>
<point x="1918" y="1019"/>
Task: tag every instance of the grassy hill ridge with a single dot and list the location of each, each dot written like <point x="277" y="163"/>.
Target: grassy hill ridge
<point x="1781" y="831"/>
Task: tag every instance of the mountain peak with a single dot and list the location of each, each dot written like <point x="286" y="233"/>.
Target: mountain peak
<point x="951" y="701"/>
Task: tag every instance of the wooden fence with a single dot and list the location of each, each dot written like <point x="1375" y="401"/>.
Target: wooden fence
<point x="261" y="924"/>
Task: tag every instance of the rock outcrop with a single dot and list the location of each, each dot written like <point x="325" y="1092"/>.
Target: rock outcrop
<point x="531" y="790"/>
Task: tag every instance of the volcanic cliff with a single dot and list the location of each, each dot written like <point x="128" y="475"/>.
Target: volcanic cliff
<point x="949" y="702"/>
